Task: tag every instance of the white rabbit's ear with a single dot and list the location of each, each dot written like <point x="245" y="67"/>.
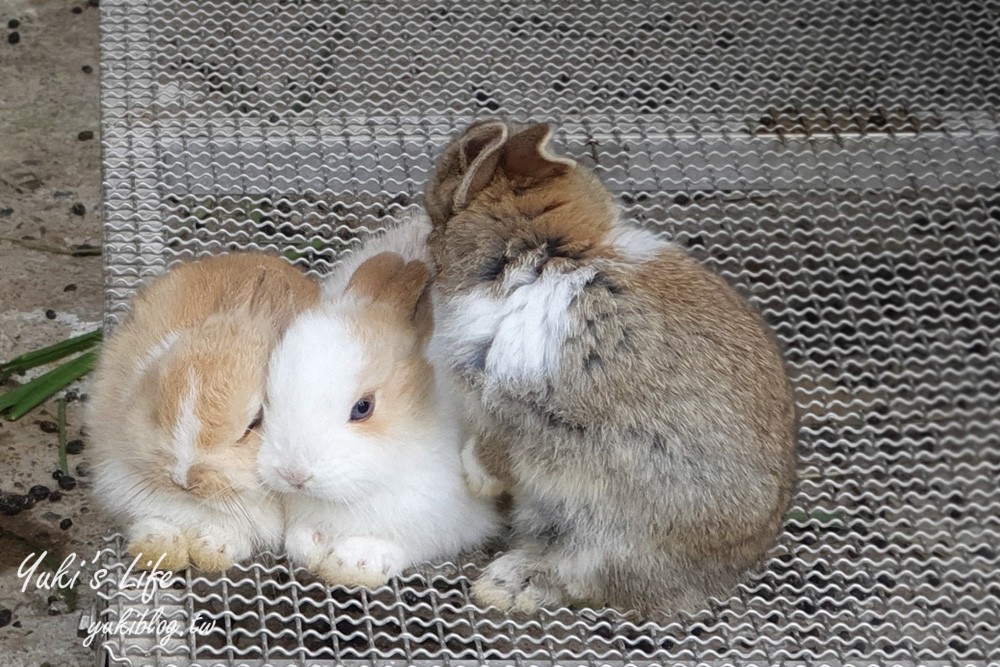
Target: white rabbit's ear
<point x="527" y="153"/>
<point x="479" y="155"/>
<point x="387" y="280"/>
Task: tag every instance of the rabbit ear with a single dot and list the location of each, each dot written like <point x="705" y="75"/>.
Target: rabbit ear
<point x="404" y="287"/>
<point x="527" y="153"/>
<point x="479" y="154"/>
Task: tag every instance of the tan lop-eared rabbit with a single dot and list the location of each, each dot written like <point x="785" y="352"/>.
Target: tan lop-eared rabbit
<point x="176" y="406"/>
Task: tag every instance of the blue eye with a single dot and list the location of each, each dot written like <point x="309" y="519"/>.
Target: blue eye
<point x="363" y="409"/>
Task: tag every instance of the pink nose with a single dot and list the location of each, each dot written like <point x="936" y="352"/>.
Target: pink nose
<point x="296" y="478"/>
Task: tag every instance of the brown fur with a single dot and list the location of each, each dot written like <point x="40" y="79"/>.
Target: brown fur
<point x="655" y="468"/>
<point x="220" y="318"/>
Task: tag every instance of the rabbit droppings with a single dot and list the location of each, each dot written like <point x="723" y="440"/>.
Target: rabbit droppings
<point x="636" y="407"/>
<point x="361" y="437"/>
<point x="176" y="404"/>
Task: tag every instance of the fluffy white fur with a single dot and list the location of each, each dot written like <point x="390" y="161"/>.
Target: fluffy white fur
<point x="368" y="506"/>
<point x="173" y="521"/>
<point x="637" y="245"/>
<point x="185" y="434"/>
<point x="524" y="330"/>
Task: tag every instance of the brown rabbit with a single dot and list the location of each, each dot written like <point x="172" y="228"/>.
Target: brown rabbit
<point x="634" y="405"/>
<point x="176" y="406"/>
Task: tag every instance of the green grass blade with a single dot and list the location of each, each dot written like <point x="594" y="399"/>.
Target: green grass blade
<point x="48" y="354"/>
<point x="31" y="394"/>
<point x="13" y="396"/>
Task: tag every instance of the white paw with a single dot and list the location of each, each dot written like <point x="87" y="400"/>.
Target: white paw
<point x="479" y="482"/>
<point x="306" y="545"/>
<point x="362" y="561"/>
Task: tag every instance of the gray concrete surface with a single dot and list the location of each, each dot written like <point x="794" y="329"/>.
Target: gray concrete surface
<point x="46" y="100"/>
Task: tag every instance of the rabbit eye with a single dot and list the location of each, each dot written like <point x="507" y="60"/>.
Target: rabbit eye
<point x="255" y="424"/>
<point x="363" y="409"/>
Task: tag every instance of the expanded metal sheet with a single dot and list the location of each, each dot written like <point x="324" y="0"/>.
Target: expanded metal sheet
<point x="839" y="161"/>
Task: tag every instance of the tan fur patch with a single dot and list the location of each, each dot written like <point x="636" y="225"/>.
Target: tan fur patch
<point x="228" y="312"/>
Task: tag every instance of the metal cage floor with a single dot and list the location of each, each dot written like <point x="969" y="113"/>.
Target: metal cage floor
<point x="837" y="160"/>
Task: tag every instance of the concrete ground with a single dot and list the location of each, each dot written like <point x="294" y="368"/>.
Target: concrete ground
<point x="48" y="97"/>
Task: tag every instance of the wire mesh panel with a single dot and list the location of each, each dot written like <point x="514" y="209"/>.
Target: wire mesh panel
<point x="838" y="161"/>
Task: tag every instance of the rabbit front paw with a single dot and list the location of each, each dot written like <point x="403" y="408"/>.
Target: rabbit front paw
<point x="307" y="545"/>
<point x="362" y="561"/>
<point x="159" y="544"/>
<point x="217" y="549"/>
<point x="515" y="582"/>
<point x="478" y="481"/>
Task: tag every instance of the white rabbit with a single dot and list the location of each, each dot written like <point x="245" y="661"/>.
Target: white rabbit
<point x="361" y="435"/>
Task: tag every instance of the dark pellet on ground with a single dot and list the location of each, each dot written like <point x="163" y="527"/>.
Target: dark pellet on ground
<point x="70" y="288"/>
<point x="67" y="482"/>
<point x="25" y="502"/>
<point x="48" y="426"/>
<point x="74" y="446"/>
<point x="87" y="69"/>
<point x="71" y="395"/>
<point x="56" y="474"/>
<point x="9" y="506"/>
<point x="14" y="37"/>
<point x="39" y="492"/>
<point x="94" y="3"/>
<point x="86" y="135"/>
<point x="5" y="616"/>
<point x="50" y="314"/>
<point x="77" y="10"/>
<point x="55" y="497"/>
<point x="66" y="524"/>
<point x="13" y="24"/>
<point x="79" y="209"/>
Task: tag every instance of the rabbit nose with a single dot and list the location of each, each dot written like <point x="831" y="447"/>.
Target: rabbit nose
<point x="296" y="478"/>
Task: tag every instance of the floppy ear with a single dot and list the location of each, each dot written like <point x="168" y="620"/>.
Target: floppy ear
<point x="527" y="153"/>
<point x="387" y="280"/>
<point x="250" y="293"/>
<point x="478" y="156"/>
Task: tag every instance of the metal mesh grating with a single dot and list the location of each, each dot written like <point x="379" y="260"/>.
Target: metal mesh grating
<point x="839" y="160"/>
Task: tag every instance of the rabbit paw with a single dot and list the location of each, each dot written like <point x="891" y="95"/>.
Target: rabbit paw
<point x="152" y="539"/>
<point x="217" y="550"/>
<point x="479" y="482"/>
<point x="362" y="561"/>
<point x="514" y="582"/>
<point x="306" y="545"/>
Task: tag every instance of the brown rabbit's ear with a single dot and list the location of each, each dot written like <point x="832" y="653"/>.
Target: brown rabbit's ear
<point x="402" y="286"/>
<point x="527" y="153"/>
<point x="478" y="154"/>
